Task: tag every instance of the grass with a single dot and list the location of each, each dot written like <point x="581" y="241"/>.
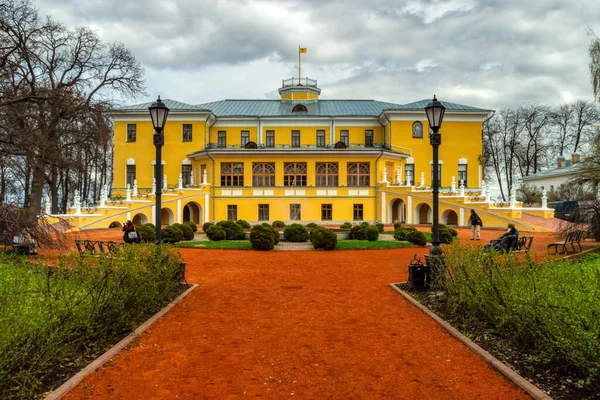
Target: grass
<point x="365" y="244"/>
<point x="222" y="244"/>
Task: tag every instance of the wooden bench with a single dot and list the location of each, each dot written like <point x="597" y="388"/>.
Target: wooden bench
<point x="572" y="238"/>
<point x="97" y="247"/>
<point x="523" y="244"/>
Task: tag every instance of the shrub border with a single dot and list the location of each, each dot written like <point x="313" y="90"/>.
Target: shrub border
<point x="64" y="389"/>
<point x="498" y="365"/>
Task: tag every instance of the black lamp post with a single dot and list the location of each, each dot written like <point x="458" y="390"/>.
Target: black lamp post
<point x="435" y="115"/>
<point x="158" y="113"/>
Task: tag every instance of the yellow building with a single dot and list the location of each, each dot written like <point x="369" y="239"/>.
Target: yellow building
<point x="297" y="159"/>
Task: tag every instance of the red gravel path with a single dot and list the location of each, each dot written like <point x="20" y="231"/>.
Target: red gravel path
<point x="307" y="325"/>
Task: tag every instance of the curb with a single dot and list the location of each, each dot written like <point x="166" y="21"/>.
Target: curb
<point x="63" y="389"/>
<point x="504" y="369"/>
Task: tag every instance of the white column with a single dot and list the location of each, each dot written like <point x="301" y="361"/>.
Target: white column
<point x="179" y="218"/>
<point x="483" y="187"/>
<point x="103" y="197"/>
<point x="462" y="188"/>
<point x="204" y="180"/>
<point x="399" y="176"/>
<point x="544" y="200"/>
<point x="135" y="188"/>
<point x="408" y="182"/>
<point x="409" y="210"/>
<point x="488" y="194"/>
<point x="192" y="178"/>
<point x="77" y="203"/>
<point x="48" y="206"/>
<point x="383" y="208"/>
<point x="461" y="217"/>
<point x="128" y="216"/>
<point x="206" y="217"/>
<point x="384" y="176"/>
<point x="513" y="197"/>
<point x="180" y="181"/>
<point x="422" y="179"/>
<point x="153" y="185"/>
<point x="153" y="218"/>
<point x="128" y="193"/>
<point x="165" y="182"/>
<point x="453" y="185"/>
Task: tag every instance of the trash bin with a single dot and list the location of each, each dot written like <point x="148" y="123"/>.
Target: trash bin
<point x="417" y="272"/>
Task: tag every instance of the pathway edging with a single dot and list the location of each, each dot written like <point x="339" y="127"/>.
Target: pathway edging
<point x="504" y="369"/>
<point x="63" y="389"/>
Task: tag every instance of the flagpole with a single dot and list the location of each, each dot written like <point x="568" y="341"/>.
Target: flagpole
<point x="298" y="64"/>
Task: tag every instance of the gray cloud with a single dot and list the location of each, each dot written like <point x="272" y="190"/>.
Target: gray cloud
<point x="480" y="52"/>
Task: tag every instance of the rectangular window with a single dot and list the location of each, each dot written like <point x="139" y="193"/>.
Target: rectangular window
<point x="245" y="137"/>
<point x="263" y="174"/>
<point x="439" y="175"/>
<point x="359" y="174"/>
<point x="320" y="138"/>
<point x="186" y="174"/>
<point x="462" y="174"/>
<point x="294" y="174"/>
<point x="131" y="132"/>
<point x="326" y="212"/>
<point x="326" y="174"/>
<point x="358" y="212"/>
<point x="232" y="212"/>
<point x="263" y="212"/>
<point x="369" y="138"/>
<point x="344" y="138"/>
<point x="221" y="139"/>
<point x="409" y="169"/>
<point x="187" y="133"/>
<point x="130" y="175"/>
<point x="295" y="138"/>
<point x="389" y="168"/>
<point x="270" y="138"/>
<point x="232" y="174"/>
<point x="295" y="212"/>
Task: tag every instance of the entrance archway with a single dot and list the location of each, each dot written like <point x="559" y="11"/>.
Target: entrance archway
<point x="423" y="214"/>
<point x="397" y="211"/>
<point x="139" y="219"/>
<point x="192" y="212"/>
<point x="166" y="217"/>
<point x="449" y="217"/>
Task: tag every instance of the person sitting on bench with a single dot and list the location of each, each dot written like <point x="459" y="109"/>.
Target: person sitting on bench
<point x="508" y="240"/>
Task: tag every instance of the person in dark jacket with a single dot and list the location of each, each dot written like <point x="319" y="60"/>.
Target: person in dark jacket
<point x="130" y="235"/>
<point x="475" y="225"/>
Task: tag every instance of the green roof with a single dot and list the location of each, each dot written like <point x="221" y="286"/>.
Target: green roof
<point x="320" y="108"/>
<point x="566" y="170"/>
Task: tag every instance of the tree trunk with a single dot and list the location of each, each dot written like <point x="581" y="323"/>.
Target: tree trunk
<point x="37" y="186"/>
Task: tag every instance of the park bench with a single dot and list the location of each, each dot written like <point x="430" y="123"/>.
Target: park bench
<point x="97" y="247"/>
<point x="523" y="244"/>
<point x="572" y="238"/>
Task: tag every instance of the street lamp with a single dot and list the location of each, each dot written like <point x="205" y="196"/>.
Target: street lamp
<point x="158" y="113"/>
<point x="435" y="115"/>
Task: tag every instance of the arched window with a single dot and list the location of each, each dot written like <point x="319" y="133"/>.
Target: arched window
<point x="251" y="145"/>
<point x="417" y="129"/>
<point x="340" y="145"/>
<point x="299" y="108"/>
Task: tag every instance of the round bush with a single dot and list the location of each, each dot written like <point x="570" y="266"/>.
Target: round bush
<point x="146" y="233"/>
<point x="358" y="232"/>
<point x="397" y="225"/>
<point x="445" y="236"/>
<point x="243" y="223"/>
<point x="416" y="237"/>
<point x="216" y="233"/>
<point x="295" y="233"/>
<point x="188" y="233"/>
<point x="206" y="225"/>
<point x="346" y="225"/>
<point x="273" y="230"/>
<point x="323" y="238"/>
<point x="453" y="232"/>
<point x="440" y="226"/>
<point x="365" y="223"/>
<point x="372" y="233"/>
<point x="178" y="231"/>
<point x="400" y="234"/>
<point x="171" y="234"/>
<point x="150" y="225"/>
<point x="380" y="227"/>
<point x="233" y="230"/>
<point x="411" y="228"/>
<point x="191" y="225"/>
<point x="311" y="225"/>
<point x="262" y="238"/>
<point x="278" y="224"/>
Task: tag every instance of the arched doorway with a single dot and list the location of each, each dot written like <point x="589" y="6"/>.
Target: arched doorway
<point x="423" y="214"/>
<point x="449" y="217"/>
<point x="166" y="217"/>
<point x="192" y="212"/>
<point x="115" y="224"/>
<point x="397" y="211"/>
<point x="139" y="219"/>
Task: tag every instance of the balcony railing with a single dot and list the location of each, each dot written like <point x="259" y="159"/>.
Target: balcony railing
<point x="299" y="82"/>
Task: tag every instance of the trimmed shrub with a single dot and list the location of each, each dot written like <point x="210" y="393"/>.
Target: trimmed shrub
<point x="358" y="232"/>
<point x="206" y="225"/>
<point x="151" y="225"/>
<point x="243" y="223"/>
<point x="191" y="225"/>
<point x="262" y="238"/>
<point x="216" y="233"/>
<point x="372" y="233"/>
<point x="146" y="233"/>
<point x="323" y="238"/>
<point x="232" y="229"/>
<point x="346" y="225"/>
<point x="311" y="225"/>
<point x="445" y="236"/>
<point x="453" y="232"/>
<point x="397" y="225"/>
<point x="295" y="233"/>
<point x="416" y="237"/>
<point x="171" y="234"/>
<point x="278" y="224"/>
<point x="400" y="234"/>
<point x="411" y="228"/>
<point x="365" y="223"/>
<point x="275" y="231"/>
<point x="380" y="227"/>
<point x="188" y="233"/>
<point x="178" y="232"/>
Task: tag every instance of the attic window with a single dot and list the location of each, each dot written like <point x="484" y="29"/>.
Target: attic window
<point x="299" y="108"/>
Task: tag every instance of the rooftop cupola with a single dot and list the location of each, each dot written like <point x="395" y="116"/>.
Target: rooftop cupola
<point x="299" y="89"/>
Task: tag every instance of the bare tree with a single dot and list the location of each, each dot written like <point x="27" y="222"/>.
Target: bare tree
<point x="535" y="143"/>
<point x="562" y="120"/>
<point x="586" y="116"/>
<point x="595" y="63"/>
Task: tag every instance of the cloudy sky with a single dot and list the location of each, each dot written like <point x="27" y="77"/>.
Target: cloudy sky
<point x="485" y="53"/>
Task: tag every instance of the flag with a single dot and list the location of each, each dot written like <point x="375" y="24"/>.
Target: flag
<point x="302" y="49"/>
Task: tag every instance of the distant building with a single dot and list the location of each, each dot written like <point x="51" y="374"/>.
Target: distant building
<point x="551" y="179"/>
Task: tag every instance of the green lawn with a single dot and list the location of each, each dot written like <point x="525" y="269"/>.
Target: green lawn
<point x="365" y="244"/>
<point x="222" y="244"/>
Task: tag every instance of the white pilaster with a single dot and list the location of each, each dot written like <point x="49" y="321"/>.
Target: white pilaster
<point x="206" y="217"/>
<point x="383" y="207"/>
<point x="409" y="210"/>
<point x="461" y="217"/>
<point x="128" y="216"/>
<point x="153" y="216"/>
<point x="179" y="218"/>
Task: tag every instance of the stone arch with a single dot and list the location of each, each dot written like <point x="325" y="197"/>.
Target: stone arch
<point x="423" y="214"/>
<point x="139" y="219"/>
<point x="166" y="216"/>
<point x="192" y="212"/>
<point x="396" y="211"/>
<point x="449" y="217"/>
<point x="115" y="224"/>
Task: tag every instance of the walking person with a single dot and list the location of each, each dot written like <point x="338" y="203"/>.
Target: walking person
<point x="475" y="225"/>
